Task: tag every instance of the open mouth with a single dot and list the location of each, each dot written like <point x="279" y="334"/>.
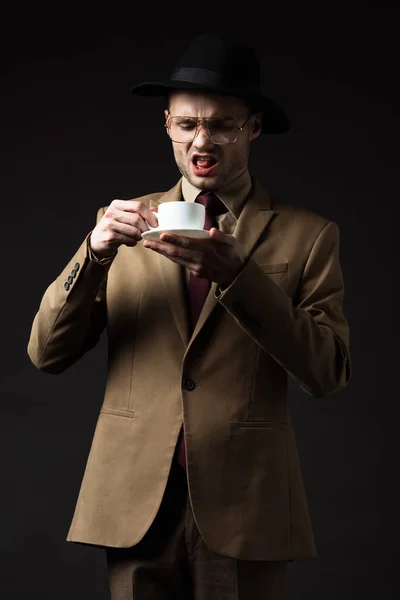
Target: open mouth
<point x="204" y="165"/>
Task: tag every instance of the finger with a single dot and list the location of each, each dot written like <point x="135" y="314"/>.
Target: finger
<point x="114" y="215"/>
<point x="219" y="236"/>
<point x="184" y="241"/>
<point x="118" y="229"/>
<point x="181" y="259"/>
<point x="133" y="220"/>
<point x="177" y="240"/>
<point x="168" y="248"/>
<point x="135" y="206"/>
<point x="174" y="251"/>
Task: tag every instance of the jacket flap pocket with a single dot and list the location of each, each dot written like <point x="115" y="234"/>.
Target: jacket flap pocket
<point x="274" y="268"/>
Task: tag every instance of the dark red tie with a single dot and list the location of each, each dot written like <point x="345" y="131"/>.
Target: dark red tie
<point x="199" y="287"/>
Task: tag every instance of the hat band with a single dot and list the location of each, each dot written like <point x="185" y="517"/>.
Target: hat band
<point x="195" y="75"/>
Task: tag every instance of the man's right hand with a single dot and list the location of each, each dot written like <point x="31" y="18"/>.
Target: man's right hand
<point x="122" y="223"/>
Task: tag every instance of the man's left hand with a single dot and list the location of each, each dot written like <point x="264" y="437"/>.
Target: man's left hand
<point x="217" y="258"/>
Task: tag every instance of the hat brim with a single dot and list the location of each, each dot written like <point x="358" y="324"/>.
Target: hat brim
<point x="275" y="119"/>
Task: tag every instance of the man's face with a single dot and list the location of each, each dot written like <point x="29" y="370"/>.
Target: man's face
<point x="206" y="165"/>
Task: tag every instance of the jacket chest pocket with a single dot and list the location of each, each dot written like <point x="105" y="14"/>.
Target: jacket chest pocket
<point x="274" y="268"/>
<point x="277" y="272"/>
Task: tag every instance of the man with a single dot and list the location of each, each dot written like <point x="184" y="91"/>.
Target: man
<point x="193" y="483"/>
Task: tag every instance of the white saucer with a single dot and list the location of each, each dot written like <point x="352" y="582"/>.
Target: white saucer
<point x="154" y="234"/>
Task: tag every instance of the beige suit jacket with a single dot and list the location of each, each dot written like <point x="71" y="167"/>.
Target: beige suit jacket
<point x="282" y="316"/>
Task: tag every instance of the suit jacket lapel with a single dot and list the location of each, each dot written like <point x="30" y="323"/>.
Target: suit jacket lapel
<point x="173" y="275"/>
<point x="254" y="218"/>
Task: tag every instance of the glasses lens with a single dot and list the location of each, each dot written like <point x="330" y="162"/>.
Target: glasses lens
<point x="182" y="129"/>
<point x="223" y="130"/>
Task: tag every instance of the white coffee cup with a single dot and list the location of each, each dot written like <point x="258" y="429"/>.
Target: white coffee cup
<point x="180" y="215"/>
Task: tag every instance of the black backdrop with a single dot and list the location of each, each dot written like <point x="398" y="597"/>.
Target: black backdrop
<point x="73" y="138"/>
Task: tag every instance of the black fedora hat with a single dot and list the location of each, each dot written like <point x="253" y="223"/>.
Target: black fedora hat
<point x="214" y="64"/>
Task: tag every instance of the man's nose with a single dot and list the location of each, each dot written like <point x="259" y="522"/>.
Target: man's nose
<point x="202" y="139"/>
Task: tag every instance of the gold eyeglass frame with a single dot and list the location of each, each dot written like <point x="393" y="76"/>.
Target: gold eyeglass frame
<point x="198" y="121"/>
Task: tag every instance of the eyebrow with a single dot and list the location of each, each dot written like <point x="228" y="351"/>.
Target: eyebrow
<point x="218" y="116"/>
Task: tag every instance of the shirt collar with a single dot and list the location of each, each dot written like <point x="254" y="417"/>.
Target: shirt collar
<point x="232" y="195"/>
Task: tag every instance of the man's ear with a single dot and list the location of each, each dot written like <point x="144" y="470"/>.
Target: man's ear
<point x="256" y="126"/>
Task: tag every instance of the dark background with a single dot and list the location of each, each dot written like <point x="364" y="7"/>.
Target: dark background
<point x="73" y="138"/>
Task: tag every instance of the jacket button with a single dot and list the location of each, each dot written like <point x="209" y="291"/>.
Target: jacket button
<point x="189" y="384"/>
<point x="70" y="280"/>
<point x="66" y="285"/>
<point x="76" y="267"/>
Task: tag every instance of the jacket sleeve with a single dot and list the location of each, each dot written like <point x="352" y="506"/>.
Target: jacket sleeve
<point x="72" y="313"/>
<point x="307" y="335"/>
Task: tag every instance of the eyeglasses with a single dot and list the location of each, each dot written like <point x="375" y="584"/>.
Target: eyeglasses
<point x="220" y="130"/>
